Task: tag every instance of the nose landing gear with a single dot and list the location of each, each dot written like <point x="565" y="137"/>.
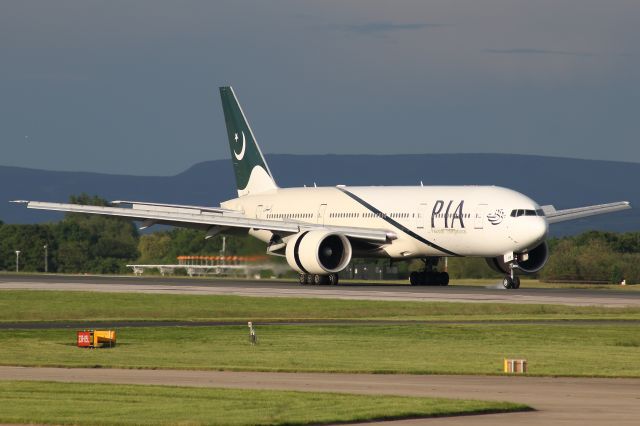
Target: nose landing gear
<point x="511" y="281"/>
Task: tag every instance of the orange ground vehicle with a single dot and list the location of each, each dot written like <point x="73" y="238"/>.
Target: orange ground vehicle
<point x="96" y="338"/>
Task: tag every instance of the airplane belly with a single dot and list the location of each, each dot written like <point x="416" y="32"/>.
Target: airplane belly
<point x="462" y="242"/>
<point x="405" y="248"/>
<point x="483" y="243"/>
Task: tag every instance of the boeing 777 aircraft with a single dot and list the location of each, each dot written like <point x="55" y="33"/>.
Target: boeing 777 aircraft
<point x="319" y="230"/>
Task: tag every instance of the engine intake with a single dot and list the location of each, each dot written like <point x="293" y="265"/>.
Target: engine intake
<point x="318" y="252"/>
<point x="528" y="262"/>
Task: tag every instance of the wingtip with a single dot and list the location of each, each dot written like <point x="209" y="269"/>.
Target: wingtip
<point x="19" y="201"/>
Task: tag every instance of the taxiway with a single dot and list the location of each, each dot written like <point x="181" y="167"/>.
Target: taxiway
<point x="269" y="288"/>
<point x="567" y="401"/>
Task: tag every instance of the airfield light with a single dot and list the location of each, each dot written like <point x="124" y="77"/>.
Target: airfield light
<point x="252" y="334"/>
<point x="17" y="260"/>
<point x="46" y="259"/>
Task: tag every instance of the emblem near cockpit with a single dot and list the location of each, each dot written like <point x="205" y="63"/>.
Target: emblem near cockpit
<point x="496" y="217"/>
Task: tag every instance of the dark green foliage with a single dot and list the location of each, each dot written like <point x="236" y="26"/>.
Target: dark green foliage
<point x="92" y="243"/>
<point x="470" y="267"/>
<point x="596" y="257"/>
<point x="78" y="243"/>
<point x="30" y="240"/>
<point x="593" y="256"/>
<point x="165" y="247"/>
<point x="100" y="244"/>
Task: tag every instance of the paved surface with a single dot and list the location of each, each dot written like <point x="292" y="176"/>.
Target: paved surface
<point x="565" y="401"/>
<point x="457" y="293"/>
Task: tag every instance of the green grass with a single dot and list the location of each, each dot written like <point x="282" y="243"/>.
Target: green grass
<point x="91" y="306"/>
<point x="556" y="350"/>
<point x="101" y="404"/>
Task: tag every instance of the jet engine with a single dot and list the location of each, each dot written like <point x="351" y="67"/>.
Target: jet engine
<point x="318" y="252"/>
<point x="528" y="262"/>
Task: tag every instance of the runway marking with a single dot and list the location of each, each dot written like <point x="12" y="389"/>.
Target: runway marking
<point x="345" y="293"/>
<point x="567" y="401"/>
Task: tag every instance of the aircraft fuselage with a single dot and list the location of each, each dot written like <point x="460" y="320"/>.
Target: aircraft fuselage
<point x="427" y="220"/>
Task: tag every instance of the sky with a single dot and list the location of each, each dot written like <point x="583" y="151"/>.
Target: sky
<point x="131" y="87"/>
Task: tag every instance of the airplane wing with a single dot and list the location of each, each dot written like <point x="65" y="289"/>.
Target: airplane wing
<point x="212" y="219"/>
<point x="554" y="216"/>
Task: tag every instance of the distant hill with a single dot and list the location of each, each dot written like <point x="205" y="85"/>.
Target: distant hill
<point x="548" y="180"/>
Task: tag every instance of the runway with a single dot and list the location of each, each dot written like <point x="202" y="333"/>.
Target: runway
<point x="268" y="288"/>
<point x="567" y="401"/>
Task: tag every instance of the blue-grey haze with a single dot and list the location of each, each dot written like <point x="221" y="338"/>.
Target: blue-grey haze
<point x="131" y="86"/>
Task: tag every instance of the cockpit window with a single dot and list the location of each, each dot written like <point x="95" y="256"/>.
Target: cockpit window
<point x="525" y="212"/>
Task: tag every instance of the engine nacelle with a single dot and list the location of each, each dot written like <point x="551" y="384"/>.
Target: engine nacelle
<point x="318" y="252"/>
<point x="528" y="262"/>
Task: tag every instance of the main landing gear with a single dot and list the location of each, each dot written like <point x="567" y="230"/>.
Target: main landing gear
<point x="429" y="276"/>
<point x="511" y="281"/>
<point x="317" y="279"/>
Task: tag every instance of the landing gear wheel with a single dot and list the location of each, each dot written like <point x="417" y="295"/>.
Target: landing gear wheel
<point x="516" y="282"/>
<point x="414" y="278"/>
<point x="507" y="283"/>
<point x="302" y="279"/>
<point x="309" y="278"/>
<point x="511" y="283"/>
<point x="332" y="279"/>
<point x="443" y="278"/>
<point x="318" y="279"/>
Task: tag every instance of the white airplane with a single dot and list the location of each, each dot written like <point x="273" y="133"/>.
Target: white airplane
<point x="319" y="230"/>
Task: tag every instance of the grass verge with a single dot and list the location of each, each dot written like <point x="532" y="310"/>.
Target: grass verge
<point x="20" y="305"/>
<point x="102" y="404"/>
<point x="553" y="350"/>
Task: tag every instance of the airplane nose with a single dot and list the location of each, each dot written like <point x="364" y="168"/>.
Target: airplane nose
<point x="543" y="228"/>
<point x="529" y="232"/>
<point x="536" y="231"/>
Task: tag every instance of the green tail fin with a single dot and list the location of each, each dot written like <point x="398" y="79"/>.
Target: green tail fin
<point x="252" y="173"/>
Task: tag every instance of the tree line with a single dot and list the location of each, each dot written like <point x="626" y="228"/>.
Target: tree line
<point x="82" y="243"/>
<point x="593" y="256"/>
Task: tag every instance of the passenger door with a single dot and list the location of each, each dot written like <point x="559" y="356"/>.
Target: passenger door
<point x="422" y="216"/>
<point x="321" y="211"/>
<point x="481" y="213"/>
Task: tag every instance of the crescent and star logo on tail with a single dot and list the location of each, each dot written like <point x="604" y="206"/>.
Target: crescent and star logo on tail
<point x="240" y="155"/>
